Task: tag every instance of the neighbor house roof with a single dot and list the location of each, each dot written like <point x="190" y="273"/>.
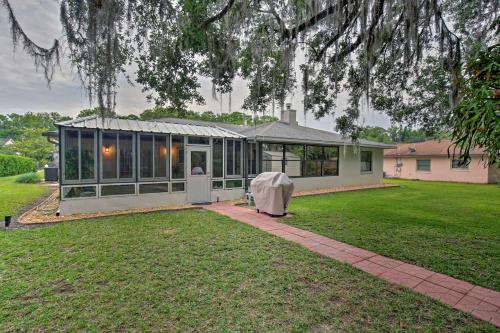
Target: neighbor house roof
<point x="282" y="132"/>
<point x="427" y="148"/>
<point x="150" y="127"/>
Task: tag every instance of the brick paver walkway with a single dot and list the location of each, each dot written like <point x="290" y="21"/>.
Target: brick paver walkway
<point x="480" y="302"/>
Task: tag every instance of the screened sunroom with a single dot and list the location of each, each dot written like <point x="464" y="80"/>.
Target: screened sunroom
<point x="134" y="164"/>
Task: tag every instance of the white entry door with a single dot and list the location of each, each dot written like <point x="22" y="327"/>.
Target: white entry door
<point x="198" y="178"/>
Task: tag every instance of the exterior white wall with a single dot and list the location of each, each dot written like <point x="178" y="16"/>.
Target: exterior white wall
<point x="349" y="171"/>
<point x="228" y="194"/>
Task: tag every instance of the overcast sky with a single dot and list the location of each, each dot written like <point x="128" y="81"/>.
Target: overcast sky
<point x="22" y="89"/>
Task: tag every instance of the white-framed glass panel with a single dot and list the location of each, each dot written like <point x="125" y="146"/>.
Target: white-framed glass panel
<point x="294" y="155"/>
<point x="178" y="157"/>
<point x="217" y="184"/>
<point x="198" y="140"/>
<point x="109" y="155"/>
<point x="160" y="157"/>
<point x="252" y="158"/>
<point x="117" y="189"/>
<point x="272" y="157"/>
<point x="331" y="161"/>
<point x="366" y="161"/>
<point x="87" y="155"/>
<point x="234" y="183"/>
<point x="178" y="187"/>
<point x="117" y="156"/>
<point x="75" y="192"/>
<point x="314" y="158"/>
<point x="217" y="158"/>
<point x="79" y="161"/>
<point x="234" y="156"/>
<point x="153" y="188"/>
<point x="146" y="156"/>
<point x="126" y="147"/>
<point x="459" y="164"/>
<point x="424" y="165"/>
<point x="198" y="163"/>
<point x="71" y="155"/>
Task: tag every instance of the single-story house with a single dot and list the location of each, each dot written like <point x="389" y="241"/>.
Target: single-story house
<point x="112" y="164"/>
<point x="429" y="160"/>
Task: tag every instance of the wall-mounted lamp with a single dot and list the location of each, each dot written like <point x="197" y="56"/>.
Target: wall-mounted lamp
<point x="106" y="149"/>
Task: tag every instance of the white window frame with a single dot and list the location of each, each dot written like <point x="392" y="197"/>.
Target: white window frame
<point x="80" y="185"/>
<point x="233" y="179"/>
<point x="117" y="195"/>
<point x="423" y="159"/>
<point x="63" y="157"/>
<point x="177" y="181"/>
<point x="147" y="183"/>
<point x="239" y="175"/>
<point x="154" y="178"/>
<point x="361" y="161"/>
<point x="134" y="154"/>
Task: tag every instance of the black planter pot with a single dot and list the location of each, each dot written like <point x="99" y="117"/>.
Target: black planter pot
<point x="8" y="219"/>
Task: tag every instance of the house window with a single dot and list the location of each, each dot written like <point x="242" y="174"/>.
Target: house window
<point x="179" y="187"/>
<point x="294" y="155"/>
<point x="198" y="140"/>
<point x="252" y="158"/>
<point x="178" y="158"/>
<point x="153" y="156"/>
<point x="73" y="192"/>
<point x="331" y="161"/>
<point x="459" y="164"/>
<point x="272" y="157"/>
<point x="423" y="165"/>
<point x="79" y="155"/>
<point x="366" y="161"/>
<point x="117" y="153"/>
<point x="153" y="188"/>
<point x="217" y="184"/>
<point x="217" y="158"/>
<point x="234" y="183"/>
<point x="314" y="157"/>
<point x="233" y="157"/>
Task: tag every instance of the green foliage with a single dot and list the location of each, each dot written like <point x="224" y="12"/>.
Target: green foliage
<point x="476" y="119"/>
<point x="12" y="125"/>
<point x="32" y="144"/>
<point x="28" y="178"/>
<point x="237" y="118"/>
<point x="400" y="134"/>
<point x="376" y="133"/>
<point x="15" y="165"/>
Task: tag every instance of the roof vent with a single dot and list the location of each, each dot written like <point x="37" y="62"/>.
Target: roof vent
<point x="289" y="116"/>
<point x="412" y="149"/>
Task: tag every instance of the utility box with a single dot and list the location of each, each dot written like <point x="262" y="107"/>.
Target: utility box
<point x="51" y="174"/>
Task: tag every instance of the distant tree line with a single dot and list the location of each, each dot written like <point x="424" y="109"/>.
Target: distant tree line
<point x="400" y="134"/>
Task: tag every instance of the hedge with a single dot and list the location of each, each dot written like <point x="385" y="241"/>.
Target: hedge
<point x="15" y="165"/>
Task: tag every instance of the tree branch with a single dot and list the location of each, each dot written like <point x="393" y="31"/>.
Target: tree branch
<point x="217" y="16"/>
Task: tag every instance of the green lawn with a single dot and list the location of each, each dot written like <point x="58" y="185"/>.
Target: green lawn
<point x="14" y="196"/>
<point x="196" y="271"/>
<point x="447" y="227"/>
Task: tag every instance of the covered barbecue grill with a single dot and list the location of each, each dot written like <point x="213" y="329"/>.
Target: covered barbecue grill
<point x="272" y="192"/>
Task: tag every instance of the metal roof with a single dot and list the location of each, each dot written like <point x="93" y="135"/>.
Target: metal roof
<point x="231" y="127"/>
<point x="282" y="132"/>
<point x="96" y="122"/>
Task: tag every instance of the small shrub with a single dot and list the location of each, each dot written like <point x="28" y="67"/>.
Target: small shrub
<point x="28" y="178"/>
<point x="14" y="165"/>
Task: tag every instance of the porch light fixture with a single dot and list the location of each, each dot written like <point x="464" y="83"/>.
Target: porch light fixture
<point x="106" y="149"/>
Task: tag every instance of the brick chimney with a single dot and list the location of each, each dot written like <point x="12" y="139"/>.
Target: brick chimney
<point x="289" y="116"/>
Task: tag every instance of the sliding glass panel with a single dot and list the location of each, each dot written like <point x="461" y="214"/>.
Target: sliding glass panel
<point x="160" y="156"/>
<point x="87" y="155"/>
<point x="252" y="158"/>
<point x="294" y="154"/>
<point x="126" y="155"/>
<point x="272" y="157"/>
<point x="178" y="157"/>
<point x="146" y="147"/>
<point x="331" y="162"/>
<point x="71" y="155"/>
<point x="230" y="157"/>
<point x="217" y="158"/>
<point x="109" y="156"/>
<point x="237" y="157"/>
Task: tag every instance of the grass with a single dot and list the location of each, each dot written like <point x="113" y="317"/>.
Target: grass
<point x="14" y="196"/>
<point x="196" y="271"/>
<point x="451" y="228"/>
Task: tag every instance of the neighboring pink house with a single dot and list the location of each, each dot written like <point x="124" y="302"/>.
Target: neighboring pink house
<point x="429" y="160"/>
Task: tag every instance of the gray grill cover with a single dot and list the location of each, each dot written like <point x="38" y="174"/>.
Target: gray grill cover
<point x="272" y="192"/>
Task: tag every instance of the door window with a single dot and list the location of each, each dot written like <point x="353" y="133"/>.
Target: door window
<point x="198" y="163"/>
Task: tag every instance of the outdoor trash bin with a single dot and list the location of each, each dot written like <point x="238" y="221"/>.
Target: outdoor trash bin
<point x="272" y="192"/>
